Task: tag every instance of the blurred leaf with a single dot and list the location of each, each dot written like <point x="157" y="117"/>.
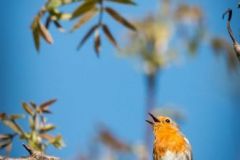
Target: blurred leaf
<point x="31" y="123"/>
<point x="57" y="142"/>
<point x="45" y="33"/>
<point x="4" y="137"/>
<point x="46" y="128"/>
<point x="14" y="126"/>
<point x="34" y="106"/>
<point x="123" y="1"/>
<point x="27" y="108"/>
<point x="44" y="107"/>
<point x="36" y="38"/>
<point x="8" y="149"/>
<point x="97" y="43"/>
<point x="59" y="26"/>
<point x="119" y="18"/>
<point x="109" y="35"/>
<point x="85" y="18"/>
<point x="4" y="144"/>
<point x="51" y="4"/>
<point x="48" y="22"/>
<point x="2" y="116"/>
<point x="47" y="137"/>
<point x="113" y="142"/>
<point x="193" y="46"/>
<point x="84" y="8"/>
<point x="56" y="15"/>
<point x="16" y="116"/>
<point x="87" y="35"/>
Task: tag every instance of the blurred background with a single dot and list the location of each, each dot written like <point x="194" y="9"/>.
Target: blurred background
<point x="109" y="96"/>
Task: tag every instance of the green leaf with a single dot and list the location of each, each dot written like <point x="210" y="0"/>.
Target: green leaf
<point x="51" y="4"/>
<point x="85" y="18"/>
<point x="87" y="35"/>
<point x="83" y="8"/>
<point x="109" y="35"/>
<point x="119" y="18"/>
<point x="56" y="15"/>
<point x="46" y="128"/>
<point x="27" y="108"/>
<point x="36" y="38"/>
<point x="57" y="142"/>
<point x="123" y="2"/>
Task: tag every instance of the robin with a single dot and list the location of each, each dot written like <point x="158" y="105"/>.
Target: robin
<point x="169" y="142"/>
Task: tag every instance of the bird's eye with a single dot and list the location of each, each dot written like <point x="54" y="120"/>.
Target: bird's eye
<point x="167" y="120"/>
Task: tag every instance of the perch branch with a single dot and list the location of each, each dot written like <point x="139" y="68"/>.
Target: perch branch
<point x="236" y="45"/>
<point x="33" y="155"/>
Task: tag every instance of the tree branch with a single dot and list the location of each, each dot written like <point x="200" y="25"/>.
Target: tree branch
<point x="33" y="155"/>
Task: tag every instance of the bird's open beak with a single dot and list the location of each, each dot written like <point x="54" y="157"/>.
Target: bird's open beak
<point x="154" y="119"/>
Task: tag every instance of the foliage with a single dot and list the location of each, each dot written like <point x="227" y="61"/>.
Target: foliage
<point x="84" y="12"/>
<point x="37" y="137"/>
<point x="168" y="33"/>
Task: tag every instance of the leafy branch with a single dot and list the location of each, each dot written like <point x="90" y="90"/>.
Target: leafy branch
<point x="37" y="137"/>
<point x="86" y="10"/>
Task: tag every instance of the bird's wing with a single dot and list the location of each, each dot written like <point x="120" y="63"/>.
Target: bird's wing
<point x="189" y="155"/>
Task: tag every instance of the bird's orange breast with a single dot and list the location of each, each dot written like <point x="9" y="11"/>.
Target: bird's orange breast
<point x="168" y="140"/>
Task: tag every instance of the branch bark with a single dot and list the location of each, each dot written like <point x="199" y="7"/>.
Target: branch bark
<point x="236" y="45"/>
<point x="33" y="155"/>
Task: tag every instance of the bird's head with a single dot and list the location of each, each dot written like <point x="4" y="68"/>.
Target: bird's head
<point x="162" y="123"/>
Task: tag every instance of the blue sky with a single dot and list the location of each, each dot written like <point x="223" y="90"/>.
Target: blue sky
<point x="110" y="90"/>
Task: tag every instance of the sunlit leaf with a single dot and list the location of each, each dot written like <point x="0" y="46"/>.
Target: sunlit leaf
<point x="119" y="18"/>
<point x="109" y="35"/>
<point x="45" y="33"/>
<point x="83" y="8"/>
<point x="87" y="35"/>
<point x="47" y="137"/>
<point x="47" y="128"/>
<point x="14" y="126"/>
<point x="85" y="18"/>
<point x="56" y="15"/>
<point x="57" y="142"/>
<point x="51" y="4"/>
<point x="123" y="1"/>
<point x="27" y="108"/>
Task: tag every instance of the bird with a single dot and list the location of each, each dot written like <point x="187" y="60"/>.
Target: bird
<point x="169" y="142"/>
